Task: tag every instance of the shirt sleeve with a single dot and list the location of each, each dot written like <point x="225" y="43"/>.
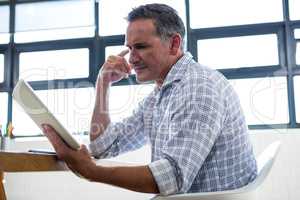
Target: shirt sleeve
<point x="121" y="137"/>
<point x="194" y="126"/>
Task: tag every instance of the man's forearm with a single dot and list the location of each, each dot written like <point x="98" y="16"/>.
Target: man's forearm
<point x="100" y="118"/>
<point x="135" y="178"/>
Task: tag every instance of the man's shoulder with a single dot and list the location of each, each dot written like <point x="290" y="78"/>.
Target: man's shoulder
<point x="201" y="75"/>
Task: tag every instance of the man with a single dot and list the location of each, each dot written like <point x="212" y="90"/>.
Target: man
<point x="192" y="119"/>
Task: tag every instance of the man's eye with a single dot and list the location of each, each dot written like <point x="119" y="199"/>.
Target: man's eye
<point x="140" y="47"/>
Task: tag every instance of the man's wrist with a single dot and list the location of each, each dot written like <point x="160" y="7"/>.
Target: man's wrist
<point x="103" y="82"/>
<point x="91" y="173"/>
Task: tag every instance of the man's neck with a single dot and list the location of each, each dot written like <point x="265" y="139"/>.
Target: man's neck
<point x="160" y="81"/>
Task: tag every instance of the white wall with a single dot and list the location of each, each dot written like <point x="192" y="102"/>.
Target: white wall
<point x="282" y="183"/>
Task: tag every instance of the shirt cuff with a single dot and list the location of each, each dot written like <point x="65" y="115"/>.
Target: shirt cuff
<point x="164" y="176"/>
<point x="103" y="142"/>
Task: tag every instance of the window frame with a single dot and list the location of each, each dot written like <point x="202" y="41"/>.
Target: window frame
<point x="55" y="45"/>
<point x="4" y="87"/>
<point x="17" y="2"/>
<point x="286" y="54"/>
<point x="286" y="51"/>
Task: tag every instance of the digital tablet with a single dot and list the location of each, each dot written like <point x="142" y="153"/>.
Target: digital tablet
<point x="42" y="151"/>
<point x="39" y="113"/>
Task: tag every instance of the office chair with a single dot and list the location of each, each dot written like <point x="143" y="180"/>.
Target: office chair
<point x="265" y="162"/>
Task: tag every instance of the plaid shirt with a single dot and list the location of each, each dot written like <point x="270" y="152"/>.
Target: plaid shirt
<point x="196" y="128"/>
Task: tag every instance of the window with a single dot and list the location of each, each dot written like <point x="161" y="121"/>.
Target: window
<point x="297" y="33"/>
<point x="294" y="6"/>
<point x="4" y="24"/>
<point x="131" y="96"/>
<point x="123" y="100"/>
<point x="116" y="11"/>
<point x="55" y="40"/>
<point x="237" y="52"/>
<point x="1" y="68"/>
<point x="264" y="100"/>
<point x="57" y="64"/>
<point x="297" y="97"/>
<point x="54" y="20"/>
<point x="3" y="110"/>
<point x="298" y="54"/>
<point x="73" y="107"/>
<point x="215" y="13"/>
<point x="297" y="37"/>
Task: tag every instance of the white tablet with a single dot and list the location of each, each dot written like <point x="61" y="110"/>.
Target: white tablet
<point x="39" y="112"/>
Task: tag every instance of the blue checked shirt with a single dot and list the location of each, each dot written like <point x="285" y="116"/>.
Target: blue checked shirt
<point x="196" y="128"/>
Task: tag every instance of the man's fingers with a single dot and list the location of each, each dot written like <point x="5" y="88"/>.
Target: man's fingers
<point x="124" y="67"/>
<point x="116" y="67"/>
<point x="113" y="58"/>
<point x="53" y="137"/>
<point x="128" y="67"/>
<point x="123" y="53"/>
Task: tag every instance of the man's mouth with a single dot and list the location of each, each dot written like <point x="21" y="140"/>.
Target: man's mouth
<point x="139" y="68"/>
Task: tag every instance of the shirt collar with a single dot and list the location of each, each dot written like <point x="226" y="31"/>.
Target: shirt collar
<point x="177" y="70"/>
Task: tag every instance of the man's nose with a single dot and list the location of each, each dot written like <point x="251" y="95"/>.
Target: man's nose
<point x="133" y="57"/>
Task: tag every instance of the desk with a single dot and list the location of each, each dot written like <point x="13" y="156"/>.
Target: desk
<point x="27" y="162"/>
<point x="32" y="162"/>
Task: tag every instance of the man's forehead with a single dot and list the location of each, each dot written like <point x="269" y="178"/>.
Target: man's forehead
<point x="130" y="41"/>
<point x="141" y="26"/>
<point x="139" y="31"/>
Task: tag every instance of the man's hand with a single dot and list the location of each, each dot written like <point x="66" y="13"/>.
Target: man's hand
<point x="115" y="68"/>
<point x="136" y="178"/>
<point x="79" y="161"/>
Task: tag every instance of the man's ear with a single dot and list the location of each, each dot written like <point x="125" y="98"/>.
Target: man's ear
<point x="175" y="44"/>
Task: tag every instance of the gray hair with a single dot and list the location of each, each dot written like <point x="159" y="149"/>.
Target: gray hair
<point x="165" y="18"/>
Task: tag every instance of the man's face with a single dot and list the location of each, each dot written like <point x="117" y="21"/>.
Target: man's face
<point x="149" y="55"/>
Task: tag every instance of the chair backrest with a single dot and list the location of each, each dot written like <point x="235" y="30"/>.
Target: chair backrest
<point x="265" y="162"/>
